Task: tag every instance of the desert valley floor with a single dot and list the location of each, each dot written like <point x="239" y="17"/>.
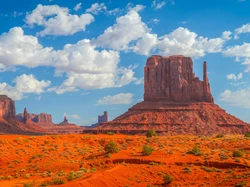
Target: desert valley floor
<point x="80" y="160"/>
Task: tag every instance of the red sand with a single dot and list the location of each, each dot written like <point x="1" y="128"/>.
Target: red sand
<point x="41" y="159"/>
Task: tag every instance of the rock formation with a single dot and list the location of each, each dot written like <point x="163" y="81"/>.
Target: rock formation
<point x="45" y="122"/>
<point x="172" y="79"/>
<point x="8" y="122"/>
<point x="175" y="102"/>
<point x="41" y="119"/>
<point x="66" y="123"/>
<point x="25" y="115"/>
<point x="7" y="107"/>
<point x="101" y="119"/>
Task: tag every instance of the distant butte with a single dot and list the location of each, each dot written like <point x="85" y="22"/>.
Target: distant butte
<point x="175" y="102"/>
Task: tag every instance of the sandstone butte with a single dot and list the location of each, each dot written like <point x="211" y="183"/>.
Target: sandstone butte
<point x="175" y="102"/>
<point x="26" y="123"/>
<point x="8" y="122"/>
<point x="46" y="125"/>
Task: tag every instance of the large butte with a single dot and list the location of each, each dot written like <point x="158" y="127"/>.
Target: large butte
<point x="175" y="102"/>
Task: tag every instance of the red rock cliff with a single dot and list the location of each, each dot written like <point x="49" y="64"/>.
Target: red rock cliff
<point x="172" y="79"/>
<point x="7" y="107"/>
<point x="43" y="118"/>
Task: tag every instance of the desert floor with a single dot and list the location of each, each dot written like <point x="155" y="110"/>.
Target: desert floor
<point x="80" y="160"/>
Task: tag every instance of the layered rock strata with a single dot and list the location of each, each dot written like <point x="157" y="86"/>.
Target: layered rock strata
<point x="175" y="102"/>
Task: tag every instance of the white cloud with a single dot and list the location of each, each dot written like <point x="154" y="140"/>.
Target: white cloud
<point x="238" y="98"/>
<point x="88" y="68"/>
<point x="128" y="28"/>
<point x="235" y="77"/>
<point x="82" y="57"/>
<point x="158" y="5"/>
<point x="19" y="49"/>
<point x="226" y="35"/>
<point x="85" y="66"/>
<point x="139" y="81"/>
<point x="154" y="21"/>
<point x="122" y="98"/>
<point x="244" y="29"/>
<point x="57" y="20"/>
<point x="130" y="33"/>
<point x="241" y="54"/>
<point x="24" y="84"/>
<point x="78" y="7"/>
<point x="238" y="51"/>
<point x="96" y="8"/>
<point x="182" y="41"/>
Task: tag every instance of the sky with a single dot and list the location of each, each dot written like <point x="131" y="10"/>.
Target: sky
<point x="80" y="58"/>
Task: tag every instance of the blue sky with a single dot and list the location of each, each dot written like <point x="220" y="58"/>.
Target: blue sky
<point x="81" y="57"/>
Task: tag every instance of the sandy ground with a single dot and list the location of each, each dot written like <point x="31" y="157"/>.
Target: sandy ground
<point x="80" y="160"/>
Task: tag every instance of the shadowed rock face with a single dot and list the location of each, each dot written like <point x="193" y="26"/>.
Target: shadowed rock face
<point x="172" y="79"/>
<point x="7" y="107"/>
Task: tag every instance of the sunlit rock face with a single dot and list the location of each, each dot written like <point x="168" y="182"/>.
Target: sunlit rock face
<point x="172" y="79"/>
<point x="7" y="107"/>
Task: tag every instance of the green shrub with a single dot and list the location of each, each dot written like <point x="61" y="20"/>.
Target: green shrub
<point x="151" y="133"/>
<point x="58" y="181"/>
<point x="147" y="150"/>
<point x="110" y="133"/>
<point x="237" y="153"/>
<point x="111" y="147"/>
<point x="167" y="179"/>
<point x="247" y="135"/>
<point x="195" y="151"/>
<point x="219" y="136"/>
<point x="242" y="184"/>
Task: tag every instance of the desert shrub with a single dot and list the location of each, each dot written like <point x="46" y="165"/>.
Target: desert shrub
<point x="247" y="135"/>
<point x="111" y="147"/>
<point x="110" y="133"/>
<point x="242" y="184"/>
<point x="219" y="136"/>
<point x="195" y="151"/>
<point x="147" y="150"/>
<point x="46" y="183"/>
<point x="73" y="176"/>
<point x="237" y="153"/>
<point x="151" y="133"/>
<point x="33" y="184"/>
<point x="167" y="179"/>
<point x="57" y="181"/>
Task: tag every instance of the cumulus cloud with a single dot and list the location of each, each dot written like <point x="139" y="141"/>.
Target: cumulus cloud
<point x="235" y="77"/>
<point x="122" y="98"/>
<point x="78" y="7"/>
<point x="130" y="33"/>
<point x="57" y="20"/>
<point x="19" y="49"/>
<point x="238" y="98"/>
<point x="243" y="29"/>
<point x="88" y="68"/>
<point x="97" y="8"/>
<point x="241" y="54"/>
<point x="226" y="35"/>
<point x="24" y="84"/>
<point x="127" y="29"/>
<point x="158" y="5"/>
